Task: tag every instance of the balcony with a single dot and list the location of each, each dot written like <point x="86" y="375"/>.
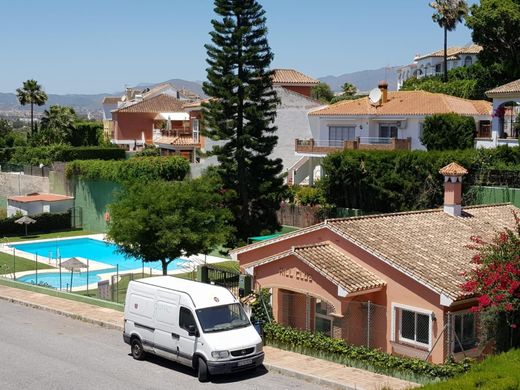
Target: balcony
<point x="322" y="147"/>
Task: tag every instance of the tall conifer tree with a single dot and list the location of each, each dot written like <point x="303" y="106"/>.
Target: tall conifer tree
<point x="241" y="113"/>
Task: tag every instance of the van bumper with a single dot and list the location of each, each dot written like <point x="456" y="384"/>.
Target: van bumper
<point x="228" y="366"/>
<point x="126" y="338"/>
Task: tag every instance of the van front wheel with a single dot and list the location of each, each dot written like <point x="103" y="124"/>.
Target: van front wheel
<point x="137" y="349"/>
<point x="203" y="370"/>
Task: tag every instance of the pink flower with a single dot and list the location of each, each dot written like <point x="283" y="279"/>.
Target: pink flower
<point x="508" y="307"/>
<point x="513" y="326"/>
<point x="484" y="300"/>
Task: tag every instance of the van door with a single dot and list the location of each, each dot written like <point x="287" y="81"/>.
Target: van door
<point x="187" y="343"/>
<point x="166" y="335"/>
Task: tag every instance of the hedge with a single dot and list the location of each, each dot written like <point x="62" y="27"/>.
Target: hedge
<point x="320" y="345"/>
<point x="48" y="154"/>
<point x="46" y="222"/>
<point x="379" y="181"/>
<point x="143" y="168"/>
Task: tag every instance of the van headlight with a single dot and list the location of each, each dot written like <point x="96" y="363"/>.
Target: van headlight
<point x="220" y="354"/>
<point x="259" y="347"/>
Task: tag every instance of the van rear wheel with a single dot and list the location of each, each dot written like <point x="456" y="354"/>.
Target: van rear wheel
<point x="203" y="373"/>
<point x="137" y="350"/>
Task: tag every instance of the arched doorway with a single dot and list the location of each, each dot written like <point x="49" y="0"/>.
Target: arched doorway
<point x="508" y="115"/>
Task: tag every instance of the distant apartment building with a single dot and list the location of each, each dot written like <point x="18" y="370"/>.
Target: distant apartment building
<point x="432" y="64"/>
<point x="394" y="122"/>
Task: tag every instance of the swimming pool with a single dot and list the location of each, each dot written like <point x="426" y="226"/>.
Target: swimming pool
<point x="88" y="248"/>
<point x="76" y="279"/>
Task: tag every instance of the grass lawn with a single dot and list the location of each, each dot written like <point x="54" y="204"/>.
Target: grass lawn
<point x="501" y="372"/>
<point x="62" y="234"/>
<point x="6" y="264"/>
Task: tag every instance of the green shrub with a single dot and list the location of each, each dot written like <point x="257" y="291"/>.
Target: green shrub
<point x="372" y="359"/>
<point x="308" y="196"/>
<point x="46" y="222"/>
<point x="379" y="181"/>
<point x="49" y="154"/>
<point x="143" y="168"/>
<point x="448" y="132"/>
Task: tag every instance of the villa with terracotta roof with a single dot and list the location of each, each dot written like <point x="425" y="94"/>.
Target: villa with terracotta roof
<point x="506" y="108"/>
<point x="155" y="116"/>
<point x="390" y="281"/>
<point x="431" y="64"/>
<point x="393" y="122"/>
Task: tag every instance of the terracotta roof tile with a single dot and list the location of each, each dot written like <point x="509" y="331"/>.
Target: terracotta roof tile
<point x="512" y="87"/>
<point x="111" y="99"/>
<point x="155" y="104"/>
<point x="184" y="140"/>
<point x="37" y="197"/>
<point x="431" y="245"/>
<point x="453" y="51"/>
<point x="338" y="267"/>
<point x="291" y="76"/>
<point x="409" y="103"/>
<point x="453" y="169"/>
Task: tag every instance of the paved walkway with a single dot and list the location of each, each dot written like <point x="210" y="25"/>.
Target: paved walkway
<point x="288" y="363"/>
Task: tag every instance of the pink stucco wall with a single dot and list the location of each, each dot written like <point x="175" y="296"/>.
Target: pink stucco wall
<point x="400" y="288"/>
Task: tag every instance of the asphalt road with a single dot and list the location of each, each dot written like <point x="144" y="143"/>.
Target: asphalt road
<point x="42" y="350"/>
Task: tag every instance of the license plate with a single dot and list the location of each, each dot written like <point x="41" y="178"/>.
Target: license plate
<point x="245" y="362"/>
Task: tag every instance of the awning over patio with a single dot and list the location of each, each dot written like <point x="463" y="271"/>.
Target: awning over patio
<point x="173" y="116"/>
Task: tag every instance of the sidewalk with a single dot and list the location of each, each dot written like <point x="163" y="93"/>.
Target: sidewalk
<point x="288" y="363"/>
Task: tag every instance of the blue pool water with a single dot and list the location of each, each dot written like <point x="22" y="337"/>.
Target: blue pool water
<point x="88" y="248"/>
<point x="78" y="279"/>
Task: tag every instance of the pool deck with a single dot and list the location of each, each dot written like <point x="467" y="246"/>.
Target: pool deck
<point x="95" y="265"/>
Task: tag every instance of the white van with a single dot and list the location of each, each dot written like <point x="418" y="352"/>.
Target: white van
<point x="200" y="325"/>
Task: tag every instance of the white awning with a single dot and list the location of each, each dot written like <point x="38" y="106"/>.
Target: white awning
<point x="173" y="116"/>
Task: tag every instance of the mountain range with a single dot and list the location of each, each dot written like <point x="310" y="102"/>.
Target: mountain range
<point x="85" y="104"/>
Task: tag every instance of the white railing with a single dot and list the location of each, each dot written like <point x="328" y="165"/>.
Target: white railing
<point x="375" y="140"/>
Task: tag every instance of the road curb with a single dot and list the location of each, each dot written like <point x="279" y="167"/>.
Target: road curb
<point x="64" y="313"/>
<point x="309" y="378"/>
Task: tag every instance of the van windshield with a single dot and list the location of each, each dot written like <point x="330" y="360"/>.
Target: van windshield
<point x="220" y="318"/>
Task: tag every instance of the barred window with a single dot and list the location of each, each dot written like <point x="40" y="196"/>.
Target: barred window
<point x="464" y="325"/>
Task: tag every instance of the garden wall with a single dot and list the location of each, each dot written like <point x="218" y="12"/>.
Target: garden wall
<point x="493" y="195"/>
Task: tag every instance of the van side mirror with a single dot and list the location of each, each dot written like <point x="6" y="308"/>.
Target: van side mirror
<point x="192" y="331"/>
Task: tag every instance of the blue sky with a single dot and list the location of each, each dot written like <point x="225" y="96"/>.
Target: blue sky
<point x="99" y="46"/>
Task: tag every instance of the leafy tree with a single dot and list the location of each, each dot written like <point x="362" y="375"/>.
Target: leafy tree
<point x="179" y="218"/>
<point x="322" y="92"/>
<point x="495" y="25"/>
<point x="447" y="14"/>
<point x="448" y="132"/>
<point x="349" y="89"/>
<point x="31" y="93"/>
<point x="241" y="115"/>
<point x="495" y="280"/>
<point x="86" y="133"/>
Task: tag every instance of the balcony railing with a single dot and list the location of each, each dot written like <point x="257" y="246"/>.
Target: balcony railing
<point x="312" y="146"/>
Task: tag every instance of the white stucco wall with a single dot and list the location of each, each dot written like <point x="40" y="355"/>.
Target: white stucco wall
<point x="292" y="122"/>
<point x="38" y="207"/>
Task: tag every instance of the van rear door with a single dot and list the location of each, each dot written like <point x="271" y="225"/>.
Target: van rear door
<point x="166" y="335"/>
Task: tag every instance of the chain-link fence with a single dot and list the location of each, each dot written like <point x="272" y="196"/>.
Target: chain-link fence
<point x="361" y="323"/>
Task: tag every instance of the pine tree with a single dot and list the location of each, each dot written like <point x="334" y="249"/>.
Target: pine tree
<point x="241" y="113"/>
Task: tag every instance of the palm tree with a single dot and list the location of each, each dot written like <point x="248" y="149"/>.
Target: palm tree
<point x="58" y="122"/>
<point x="31" y="93"/>
<point x="349" y="89"/>
<point x="448" y="14"/>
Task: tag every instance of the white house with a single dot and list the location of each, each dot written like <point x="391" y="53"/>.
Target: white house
<point x="394" y="122"/>
<point x="432" y="64"/>
<point x="36" y="203"/>
<point x="506" y="99"/>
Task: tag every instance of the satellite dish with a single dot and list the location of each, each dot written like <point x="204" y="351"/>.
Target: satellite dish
<point x="375" y="96"/>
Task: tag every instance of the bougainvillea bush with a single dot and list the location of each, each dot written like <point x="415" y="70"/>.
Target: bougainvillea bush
<point x="495" y="280"/>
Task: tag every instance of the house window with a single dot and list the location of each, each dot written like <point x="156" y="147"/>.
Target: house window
<point x="438" y="68"/>
<point x="323" y="319"/>
<point x="468" y="61"/>
<point x="484" y="129"/>
<point x="387" y="130"/>
<point x="195" y="130"/>
<point x="414" y="327"/>
<point x="464" y="325"/>
<point x="339" y="134"/>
